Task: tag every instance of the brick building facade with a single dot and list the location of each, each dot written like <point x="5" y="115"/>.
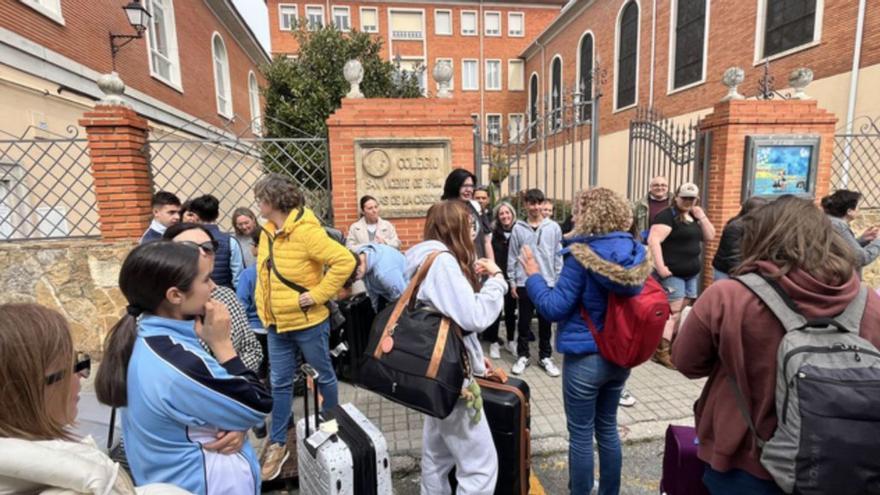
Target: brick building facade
<point x="707" y="36"/>
<point x="52" y="51"/>
<point x="482" y="40"/>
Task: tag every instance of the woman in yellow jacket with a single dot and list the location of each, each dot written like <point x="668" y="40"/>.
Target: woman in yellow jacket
<point x="299" y="269"/>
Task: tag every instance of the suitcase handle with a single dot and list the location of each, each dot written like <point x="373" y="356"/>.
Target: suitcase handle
<point x="311" y="374"/>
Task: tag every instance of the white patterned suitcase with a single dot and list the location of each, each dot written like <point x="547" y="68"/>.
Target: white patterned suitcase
<point x="352" y="461"/>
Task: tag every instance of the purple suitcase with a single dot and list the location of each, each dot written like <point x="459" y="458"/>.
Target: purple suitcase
<point x="682" y="470"/>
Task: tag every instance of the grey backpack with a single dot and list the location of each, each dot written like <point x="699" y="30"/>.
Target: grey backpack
<point x="827" y="440"/>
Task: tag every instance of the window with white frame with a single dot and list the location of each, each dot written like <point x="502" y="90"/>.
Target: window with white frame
<point x="689" y="37"/>
<point x="369" y="20"/>
<point x="222" y="85"/>
<point x="49" y="8"/>
<point x="788" y="24"/>
<point x="626" y="75"/>
<point x="452" y="79"/>
<point x="516" y="24"/>
<point x="468" y="22"/>
<point x="516" y="75"/>
<point x="493" y="128"/>
<point x="342" y="18"/>
<point x="492" y="23"/>
<point x="407" y="25"/>
<point x="516" y="128"/>
<point x="470" y="75"/>
<point x="414" y="67"/>
<point x="315" y="17"/>
<point x="533" y="107"/>
<point x="585" y="78"/>
<point x="443" y="22"/>
<point x="493" y="74"/>
<point x="254" y="97"/>
<point x="162" y="42"/>
<point x="556" y="96"/>
<point x="287" y="16"/>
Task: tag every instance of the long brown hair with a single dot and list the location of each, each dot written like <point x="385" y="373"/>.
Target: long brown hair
<point x="448" y="222"/>
<point x="792" y="233"/>
<point x="34" y="342"/>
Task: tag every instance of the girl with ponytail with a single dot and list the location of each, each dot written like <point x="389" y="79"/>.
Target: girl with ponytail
<point x="186" y="411"/>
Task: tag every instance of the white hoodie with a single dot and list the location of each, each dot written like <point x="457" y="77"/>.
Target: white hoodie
<point x="446" y="289"/>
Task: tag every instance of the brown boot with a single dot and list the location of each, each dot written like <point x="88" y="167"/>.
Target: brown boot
<point x="662" y="355"/>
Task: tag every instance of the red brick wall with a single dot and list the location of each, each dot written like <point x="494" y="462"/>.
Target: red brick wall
<point x="455" y="47"/>
<point x="731" y="43"/>
<point x="730" y="123"/>
<point x="400" y="119"/>
<point x="85" y="39"/>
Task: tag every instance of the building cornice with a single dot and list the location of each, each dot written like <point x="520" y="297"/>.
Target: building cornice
<point x="232" y="20"/>
<point x="569" y="14"/>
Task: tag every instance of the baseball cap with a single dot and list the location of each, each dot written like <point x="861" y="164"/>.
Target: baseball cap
<point x="688" y="190"/>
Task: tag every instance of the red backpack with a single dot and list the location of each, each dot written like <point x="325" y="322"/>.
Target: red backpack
<point x="633" y="325"/>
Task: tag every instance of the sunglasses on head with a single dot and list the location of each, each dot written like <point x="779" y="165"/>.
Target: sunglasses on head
<point x="207" y="247"/>
<point x="82" y="367"/>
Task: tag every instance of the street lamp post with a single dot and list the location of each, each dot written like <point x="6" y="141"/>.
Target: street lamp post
<point x="139" y="19"/>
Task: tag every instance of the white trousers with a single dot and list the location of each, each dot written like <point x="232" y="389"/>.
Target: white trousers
<point x="454" y="441"/>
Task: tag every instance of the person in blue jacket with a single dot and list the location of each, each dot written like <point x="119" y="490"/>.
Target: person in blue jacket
<point x="599" y="257"/>
<point x="185" y="411"/>
<point x="381" y="268"/>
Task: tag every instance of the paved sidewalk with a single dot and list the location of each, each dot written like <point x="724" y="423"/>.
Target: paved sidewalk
<point x="663" y="396"/>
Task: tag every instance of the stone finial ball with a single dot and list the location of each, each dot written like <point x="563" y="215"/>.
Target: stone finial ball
<point x="442" y="71"/>
<point x="353" y="71"/>
<point x="733" y="76"/>
<point x="800" y="78"/>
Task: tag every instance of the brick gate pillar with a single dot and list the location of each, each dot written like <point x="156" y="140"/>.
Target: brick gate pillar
<point x="123" y="185"/>
<point x="730" y="123"/>
<point x="356" y="127"/>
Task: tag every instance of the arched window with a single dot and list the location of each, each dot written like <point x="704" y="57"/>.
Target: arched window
<point x="626" y="74"/>
<point x="533" y="107"/>
<point x="689" y="36"/>
<point x="585" y="76"/>
<point x="556" y="93"/>
<point x="254" y="97"/>
<point x="222" y="86"/>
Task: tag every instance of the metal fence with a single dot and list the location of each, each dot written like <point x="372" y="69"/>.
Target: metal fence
<point x="550" y="151"/>
<point x="856" y="162"/>
<point x="660" y="147"/>
<point x="228" y="165"/>
<point x="46" y="186"/>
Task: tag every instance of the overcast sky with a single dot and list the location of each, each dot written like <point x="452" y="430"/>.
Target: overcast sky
<point x="257" y="17"/>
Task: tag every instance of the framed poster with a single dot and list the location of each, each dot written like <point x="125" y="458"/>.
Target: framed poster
<point x="778" y="165"/>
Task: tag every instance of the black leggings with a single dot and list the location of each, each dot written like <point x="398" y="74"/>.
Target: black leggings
<point x="491" y="333"/>
<point x="526" y="311"/>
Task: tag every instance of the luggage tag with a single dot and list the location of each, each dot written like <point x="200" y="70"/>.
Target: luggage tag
<point x="388" y="341"/>
<point x="318" y="438"/>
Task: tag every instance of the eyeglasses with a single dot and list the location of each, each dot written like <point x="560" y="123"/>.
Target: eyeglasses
<point x="208" y="247"/>
<point x="467" y="186"/>
<point x="664" y="186"/>
<point x="82" y="367"/>
<point x="687" y="199"/>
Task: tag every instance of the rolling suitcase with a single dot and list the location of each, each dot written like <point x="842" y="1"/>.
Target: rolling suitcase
<point x="506" y="406"/>
<point x="352" y="461"/>
<point x="682" y="469"/>
<point x="348" y="345"/>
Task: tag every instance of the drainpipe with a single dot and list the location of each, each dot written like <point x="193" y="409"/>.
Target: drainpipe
<point x="481" y="69"/>
<point x="853" y="91"/>
<point x="653" y="50"/>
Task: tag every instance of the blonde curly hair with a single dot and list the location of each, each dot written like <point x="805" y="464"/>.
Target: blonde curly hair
<point x="600" y="211"/>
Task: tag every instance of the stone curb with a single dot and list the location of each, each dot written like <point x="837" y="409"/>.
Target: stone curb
<point x="407" y="463"/>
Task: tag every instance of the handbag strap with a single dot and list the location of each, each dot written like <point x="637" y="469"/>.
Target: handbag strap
<point x="290" y="283"/>
<point x="408" y="294"/>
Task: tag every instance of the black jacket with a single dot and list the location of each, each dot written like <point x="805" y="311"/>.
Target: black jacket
<point x="729" y="253"/>
<point x="500" y="246"/>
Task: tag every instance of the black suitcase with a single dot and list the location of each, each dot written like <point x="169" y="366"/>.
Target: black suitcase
<point x="506" y="406"/>
<point x="359" y="315"/>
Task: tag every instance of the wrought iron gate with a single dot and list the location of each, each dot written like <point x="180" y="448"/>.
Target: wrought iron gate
<point x="856" y="162"/>
<point x="228" y="164"/>
<point x="660" y="147"/>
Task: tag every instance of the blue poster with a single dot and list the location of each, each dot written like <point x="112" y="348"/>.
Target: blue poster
<point x="782" y="169"/>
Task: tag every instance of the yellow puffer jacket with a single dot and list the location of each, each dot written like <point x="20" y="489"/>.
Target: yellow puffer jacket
<point x="301" y="249"/>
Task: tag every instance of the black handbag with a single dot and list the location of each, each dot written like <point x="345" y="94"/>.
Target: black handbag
<point x="415" y="356"/>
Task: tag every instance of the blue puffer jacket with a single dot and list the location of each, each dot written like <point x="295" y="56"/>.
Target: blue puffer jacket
<point x="592" y="266"/>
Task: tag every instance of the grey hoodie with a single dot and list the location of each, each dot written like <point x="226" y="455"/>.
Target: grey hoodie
<point x="446" y="289"/>
<point x="546" y="244"/>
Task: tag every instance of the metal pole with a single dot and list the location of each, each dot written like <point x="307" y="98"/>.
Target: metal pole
<point x="594" y="139"/>
<point x="478" y="152"/>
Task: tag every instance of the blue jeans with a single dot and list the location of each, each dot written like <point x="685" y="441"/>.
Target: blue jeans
<point x="314" y="342"/>
<point x="679" y="288"/>
<point x="736" y="482"/>
<point x="591" y="388"/>
<point x="719" y="275"/>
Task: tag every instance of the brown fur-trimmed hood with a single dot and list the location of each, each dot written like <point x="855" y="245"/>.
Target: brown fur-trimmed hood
<point x="633" y="276"/>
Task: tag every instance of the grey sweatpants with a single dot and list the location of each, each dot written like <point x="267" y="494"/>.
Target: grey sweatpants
<point x="454" y="441"/>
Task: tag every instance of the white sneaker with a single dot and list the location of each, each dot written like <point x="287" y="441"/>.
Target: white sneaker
<point x="549" y="367"/>
<point x="520" y="365"/>
<point x="495" y="350"/>
<point x="511" y="347"/>
<point x="626" y="399"/>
